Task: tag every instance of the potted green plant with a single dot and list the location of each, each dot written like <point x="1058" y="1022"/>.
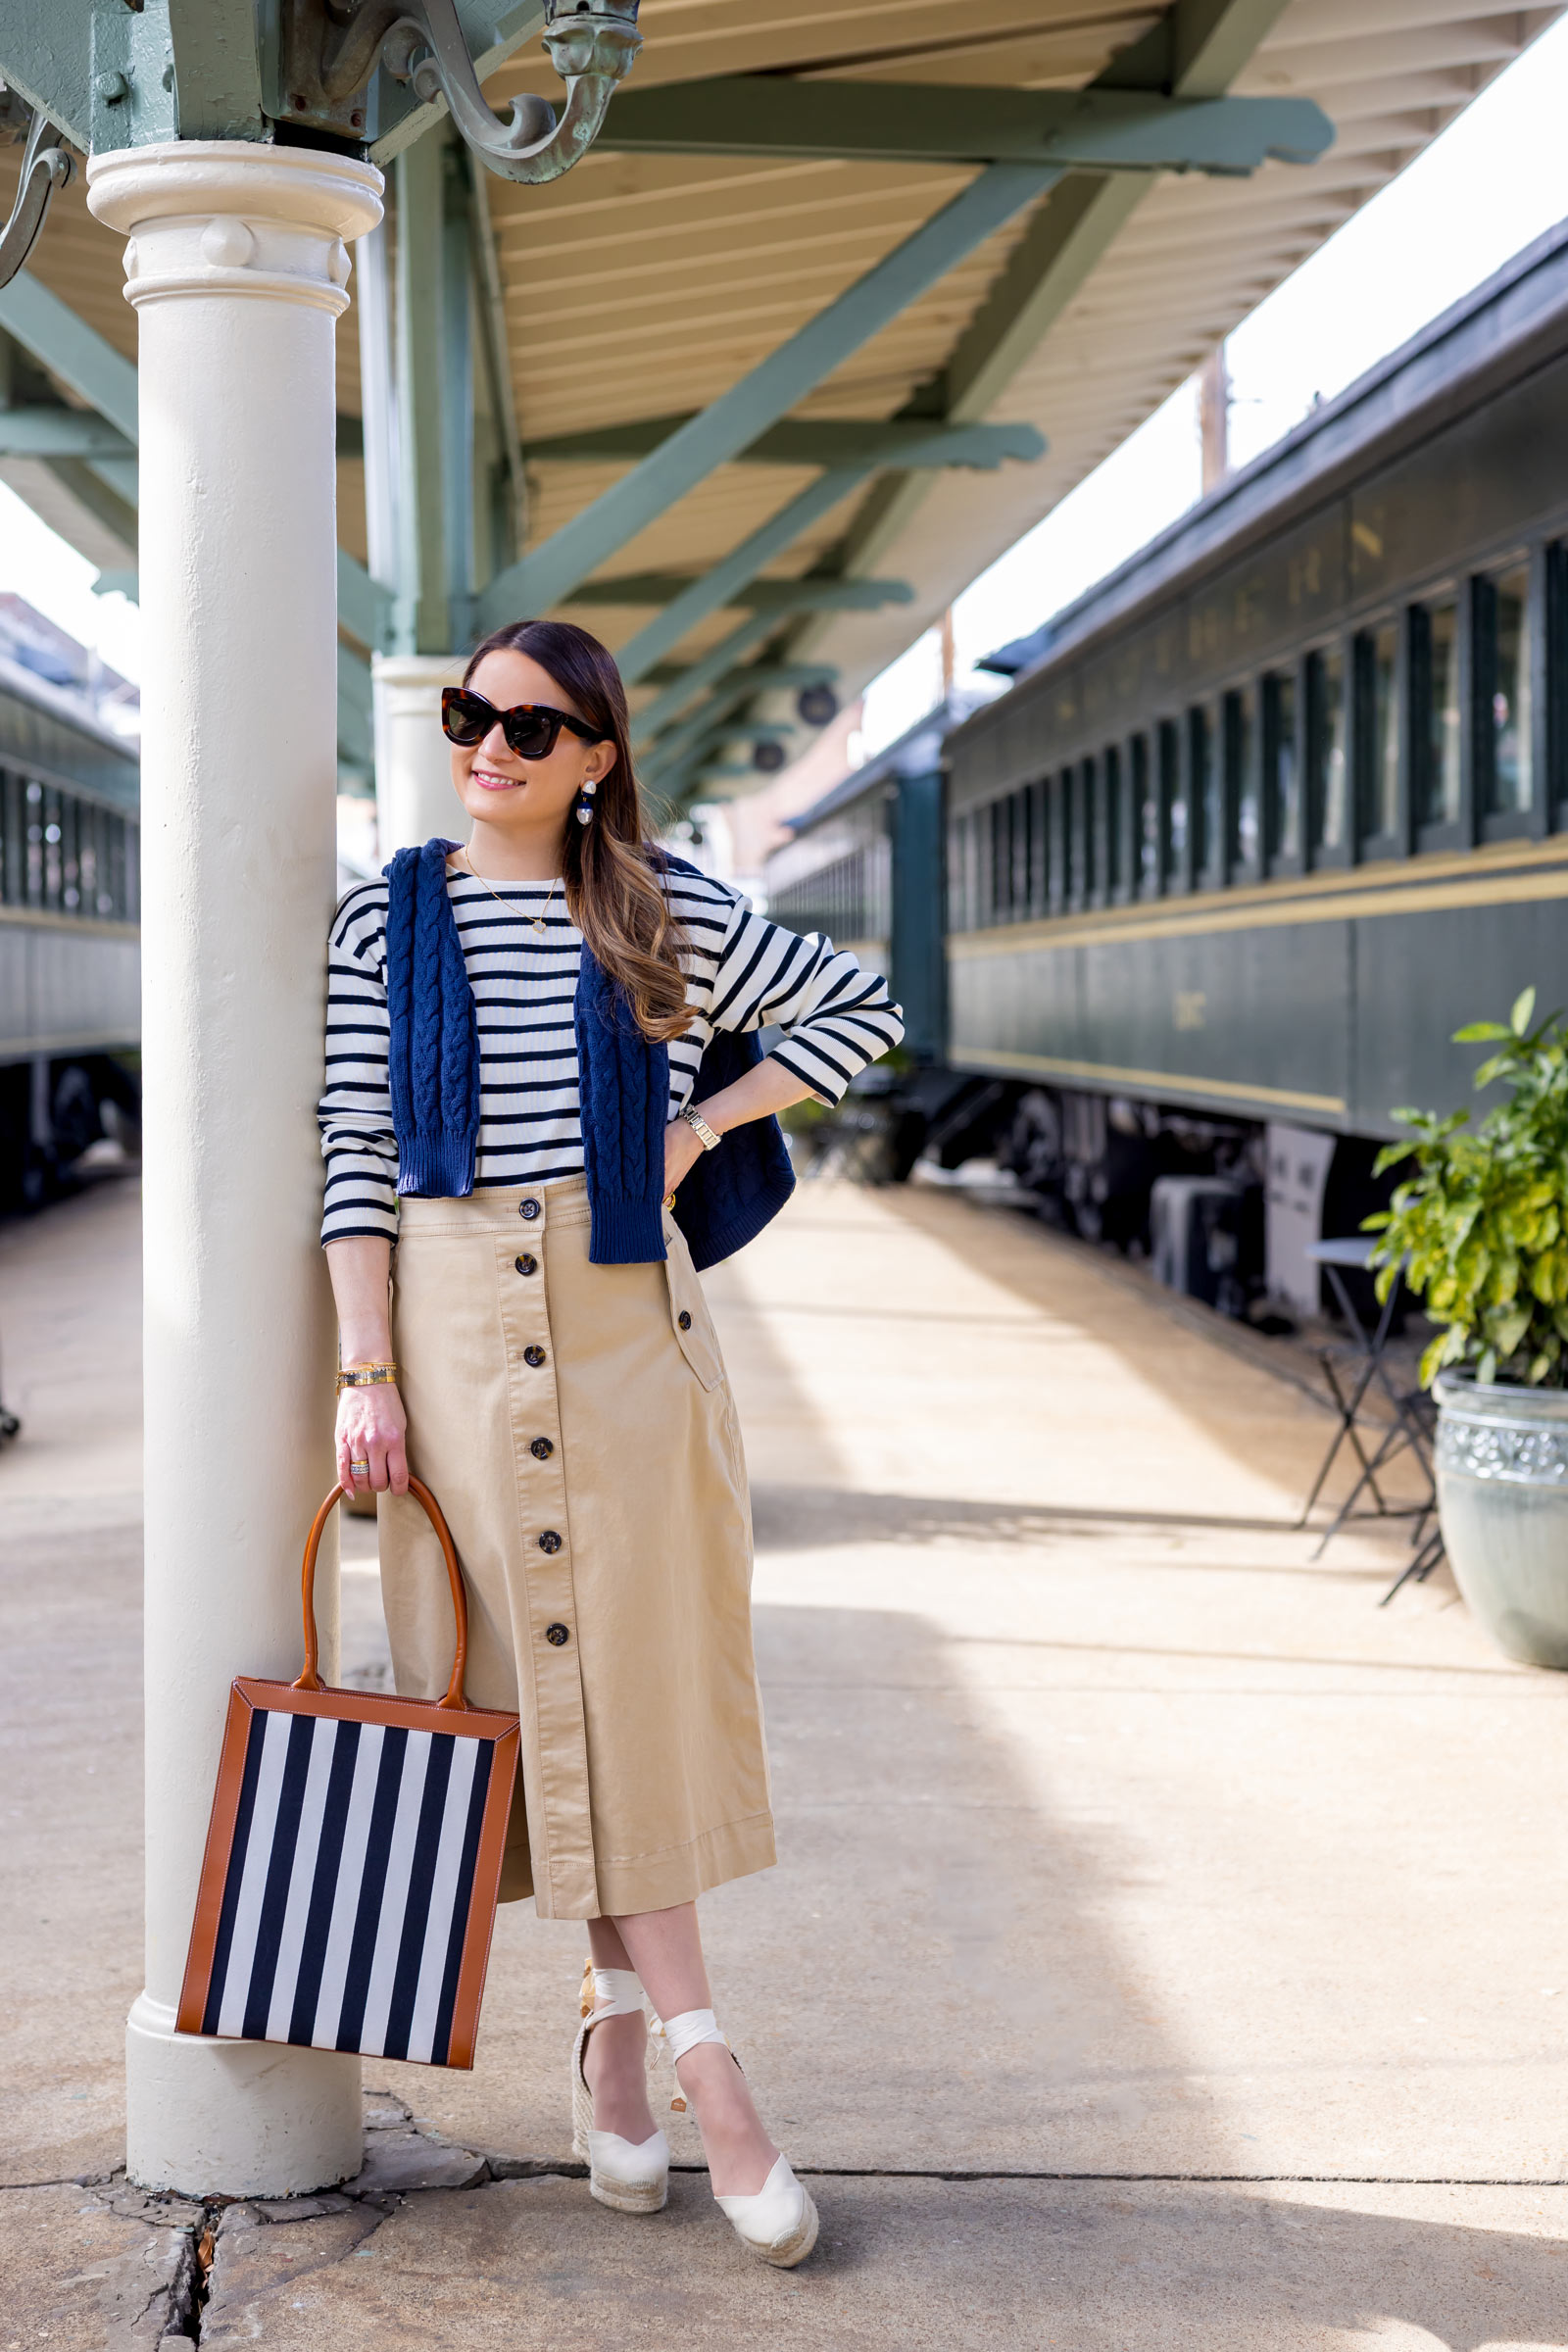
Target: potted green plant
<point x="1479" y="1231"/>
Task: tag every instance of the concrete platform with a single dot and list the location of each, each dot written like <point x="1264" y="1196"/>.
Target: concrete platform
<point x="1168" y="1947"/>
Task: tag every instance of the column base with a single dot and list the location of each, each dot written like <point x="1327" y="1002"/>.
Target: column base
<point x="236" y="2119"/>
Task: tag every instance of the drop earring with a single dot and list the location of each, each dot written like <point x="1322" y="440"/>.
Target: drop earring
<point x="585" y="807"/>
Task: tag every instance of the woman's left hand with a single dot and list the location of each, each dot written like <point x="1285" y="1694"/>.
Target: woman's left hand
<point x="682" y="1152"/>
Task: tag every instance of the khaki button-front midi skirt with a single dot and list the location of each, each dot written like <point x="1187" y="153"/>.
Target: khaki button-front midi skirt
<point x="578" y="1429"/>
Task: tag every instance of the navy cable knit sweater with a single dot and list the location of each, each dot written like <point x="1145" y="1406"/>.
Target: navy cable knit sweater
<point x="433" y="1067"/>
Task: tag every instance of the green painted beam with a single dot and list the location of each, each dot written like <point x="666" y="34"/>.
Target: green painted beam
<point x="70" y="350"/>
<point x="929" y="122"/>
<point x="771" y="678"/>
<point x="217" y="83"/>
<point x="173" y="70"/>
<point x="423" y="623"/>
<point x="809" y="594"/>
<point x="46" y="56"/>
<point x="122" y="475"/>
<point x="691" y="681"/>
<point x="363" y="606"/>
<point x="455" y="331"/>
<point x="355" y="729"/>
<point x="548" y="574"/>
<point x="813" y="441"/>
<point x="101" y="499"/>
<point x="715" y="588"/>
<point x="710" y="724"/>
<point x="60" y="432"/>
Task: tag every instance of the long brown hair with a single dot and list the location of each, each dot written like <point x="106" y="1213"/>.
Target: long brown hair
<point x="614" y="894"/>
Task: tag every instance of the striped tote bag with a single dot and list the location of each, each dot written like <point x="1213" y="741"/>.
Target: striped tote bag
<point x="348" y="1890"/>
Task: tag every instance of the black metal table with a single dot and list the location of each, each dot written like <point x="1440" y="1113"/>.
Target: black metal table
<point x="1407" y="1432"/>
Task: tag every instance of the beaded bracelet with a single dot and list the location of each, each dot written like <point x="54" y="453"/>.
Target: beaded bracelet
<point x="367" y="1376"/>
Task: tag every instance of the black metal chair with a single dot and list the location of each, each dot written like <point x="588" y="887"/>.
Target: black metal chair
<point x="1410" y="1431"/>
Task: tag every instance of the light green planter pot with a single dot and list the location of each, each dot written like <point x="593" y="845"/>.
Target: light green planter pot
<point x="1503" y="1497"/>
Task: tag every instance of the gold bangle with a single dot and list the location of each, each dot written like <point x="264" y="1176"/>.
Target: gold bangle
<point x="366" y="1376"/>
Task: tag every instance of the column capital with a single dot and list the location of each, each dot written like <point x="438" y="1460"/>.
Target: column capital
<point x="233" y="217"/>
<point x="421" y="674"/>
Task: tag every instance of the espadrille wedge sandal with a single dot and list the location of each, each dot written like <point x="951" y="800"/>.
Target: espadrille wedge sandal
<point x="779" y="2223"/>
<point x="630" y="2179"/>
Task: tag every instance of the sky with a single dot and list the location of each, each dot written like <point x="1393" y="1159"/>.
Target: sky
<point x="1494" y="182"/>
<point x="1496" y="178"/>
<point x="37" y="563"/>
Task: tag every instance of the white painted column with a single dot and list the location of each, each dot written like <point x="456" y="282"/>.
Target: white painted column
<point x="413" y="795"/>
<point x="237" y="267"/>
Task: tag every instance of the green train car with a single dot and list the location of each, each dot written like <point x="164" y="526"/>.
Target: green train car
<point x="1277" y="805"/>
<point x="69" y="940"/>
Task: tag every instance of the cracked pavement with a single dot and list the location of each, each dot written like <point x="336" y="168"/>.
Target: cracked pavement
<point x="1166" y="1948"/>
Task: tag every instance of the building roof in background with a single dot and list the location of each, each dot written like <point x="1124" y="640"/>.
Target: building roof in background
<point x="31" y="642"/>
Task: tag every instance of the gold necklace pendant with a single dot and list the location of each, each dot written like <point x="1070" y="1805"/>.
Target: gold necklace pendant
<point x="535" y="922"/>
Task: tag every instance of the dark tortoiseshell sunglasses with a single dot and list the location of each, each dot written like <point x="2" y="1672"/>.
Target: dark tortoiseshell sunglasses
<point x="531" y="729"/>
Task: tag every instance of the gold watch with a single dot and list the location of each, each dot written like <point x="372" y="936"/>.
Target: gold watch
<point x="367" y="1376"/>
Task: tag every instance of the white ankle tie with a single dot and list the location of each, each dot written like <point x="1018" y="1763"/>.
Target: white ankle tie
<point x="685" y="2032"/>
<point x="617" y="1993"/>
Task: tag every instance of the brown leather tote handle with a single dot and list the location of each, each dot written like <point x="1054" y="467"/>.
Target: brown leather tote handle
<point x="310" y="1680"/>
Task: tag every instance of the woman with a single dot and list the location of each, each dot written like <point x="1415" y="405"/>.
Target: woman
<point x="524" y="1040"/>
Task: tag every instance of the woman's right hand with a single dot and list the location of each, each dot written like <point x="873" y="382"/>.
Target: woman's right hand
<point x="372" y="1428"/>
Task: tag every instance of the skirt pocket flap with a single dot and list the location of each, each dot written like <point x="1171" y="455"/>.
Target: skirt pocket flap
<point x="690" y="1319"/>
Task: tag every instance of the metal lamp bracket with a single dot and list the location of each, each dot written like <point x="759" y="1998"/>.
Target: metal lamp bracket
<point x="332" y="47"/>
<point x="45" y="166"/>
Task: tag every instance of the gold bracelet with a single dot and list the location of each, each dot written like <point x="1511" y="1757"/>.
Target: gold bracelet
<point x="366" y="1376"/>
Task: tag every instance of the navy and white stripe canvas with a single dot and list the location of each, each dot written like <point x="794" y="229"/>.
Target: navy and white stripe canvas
<point x="350" y="1884"/>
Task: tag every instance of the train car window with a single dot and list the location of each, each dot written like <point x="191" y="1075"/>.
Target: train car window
<point x="1143" y="819"/>
<point x="1204" y="832"/>
<point x="1113" y="864"/>
<point x="1058" y="793"/>
<point x="1173" y="829"/>
<point x="32" y="800"/>
<point x="10" y="860"/>
<point x="1379" y="794"/>
<point x="1434" y="694"/>
<point x="92" y="835"/>
<point x="1080" y="835"/>
<point x="1282" y="773"/>
<point x="1240" y="799"/>
<point x="72" y="814"/>
<point x="1023" y="811"/>
<point x="1038" y="850"/>
<point x="53" y="859"/>
<point x="1328" y="750"/>
<point x="1502" y="683"/>
<point x="118" y="845"/>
